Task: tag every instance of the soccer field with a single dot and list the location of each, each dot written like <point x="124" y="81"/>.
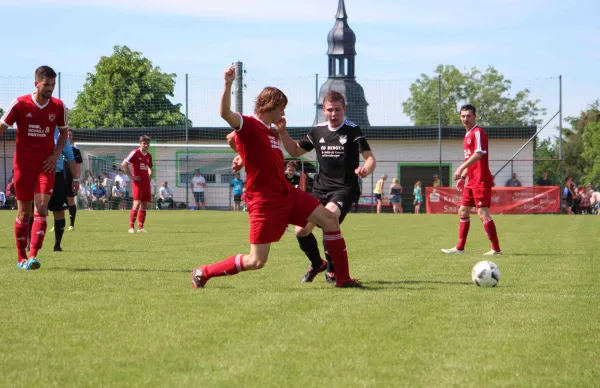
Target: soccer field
<point x="116" y="309"/>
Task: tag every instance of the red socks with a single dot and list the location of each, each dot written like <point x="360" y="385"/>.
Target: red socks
<point x="132" y="217"/>
<point x="141" y="218"/>
<point x="490" y="229"/>
<point x="336" y="247"/>
<point x="21" y="231"/>
<point x="463" y="232"/>
<point x="38" y="231"/>
<point x="230" y="266"/>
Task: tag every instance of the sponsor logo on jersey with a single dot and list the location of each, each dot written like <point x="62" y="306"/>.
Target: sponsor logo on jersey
<point x="322" y="140"/>
<point x="29" y="115"/>
<point x="52" y="117"/>
<point x="343" y="139"/>
<point x="323" y="148"/>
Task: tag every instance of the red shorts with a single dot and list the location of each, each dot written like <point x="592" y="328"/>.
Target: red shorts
<point x="141" y="191"/>
<point x="31" y="181"/>
<point x="269" y="218"/>
<point x="477" y="197"/>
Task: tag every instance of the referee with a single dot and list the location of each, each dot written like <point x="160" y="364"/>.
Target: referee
<point x="58" y="201"/>
<point x="69" y="181"/>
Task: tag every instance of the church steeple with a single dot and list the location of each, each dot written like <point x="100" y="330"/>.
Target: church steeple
<point x="341" y="55"/>
<point x="342" y="41"/>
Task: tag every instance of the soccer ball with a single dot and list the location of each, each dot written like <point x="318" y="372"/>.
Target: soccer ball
<point x="486" y="274"/>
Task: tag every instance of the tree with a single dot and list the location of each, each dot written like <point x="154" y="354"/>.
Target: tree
<point x="489" y="91"/>
<point x="581" y="153"/>
<point x="545" y="154"/>
<point x="126" y="91"/>
<point x="1" y="112"/>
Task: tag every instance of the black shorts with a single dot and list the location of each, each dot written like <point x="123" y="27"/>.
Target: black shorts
<point x="237" y="197"/>
<point x="199" y="196"/>
<point x="58" y="201"/>
<point x="344" y="199"/>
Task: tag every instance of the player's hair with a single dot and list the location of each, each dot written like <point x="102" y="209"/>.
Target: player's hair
<point x="418" y="183"/>
<point x="270" y="99"/>
<point x="469" y="107"/>
<point x="44" y="71"/>
<point x="333" y="96"/>
<point x="144" y="138"/>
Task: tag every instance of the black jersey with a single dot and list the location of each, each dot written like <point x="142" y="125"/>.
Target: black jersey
<point x="338" y="154"/>
<point x="294" y="180"/>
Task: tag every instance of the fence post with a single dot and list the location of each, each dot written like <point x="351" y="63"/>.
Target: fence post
<point x="59" y="91"/>
<point x="187" y="150"/>
<point x="560" y="134"/>
<point x="440" y="123"/>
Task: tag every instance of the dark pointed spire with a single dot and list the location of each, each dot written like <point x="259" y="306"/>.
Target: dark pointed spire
<point x="341" y="12"/>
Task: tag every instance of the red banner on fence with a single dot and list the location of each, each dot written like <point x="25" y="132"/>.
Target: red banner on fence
<point x="505" y="200"/>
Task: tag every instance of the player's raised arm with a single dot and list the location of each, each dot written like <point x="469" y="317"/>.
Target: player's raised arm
<point x="232" y="118"/>
<point x="291" y="146"/>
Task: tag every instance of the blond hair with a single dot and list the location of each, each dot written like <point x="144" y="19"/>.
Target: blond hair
<point x="270" y="99"/>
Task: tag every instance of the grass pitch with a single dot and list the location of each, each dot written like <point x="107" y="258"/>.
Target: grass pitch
<point x="117" y="309"/>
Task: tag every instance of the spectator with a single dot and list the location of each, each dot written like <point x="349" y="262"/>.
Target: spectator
<point x="513" y="182"/>
<point x="595" y="202"/>
<point x="118" y="196"/>
<point x="569" y="196"/>
<point x="165" y="195"/>
<point x="238" y="188"/>
<point x="436" y="181"/>
<point x="107" y="183"/>
<point x="418" y="197"/>
<point x="396" y="195"/>
<point x="378" y="192"/>
<point x="113" y="173"/>
<point x="584" y="200"/>
<point x="152" y="188"/>
<point x="85" y="196"/>
<point x="89" y="178"/>
<point x="99" y="196"/>
<point x="544" y="180"/>
<point x="198" y="185"/>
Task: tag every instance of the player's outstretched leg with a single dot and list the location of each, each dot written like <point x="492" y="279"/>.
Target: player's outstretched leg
<point x="463" y="231"/>
<point x="336" y="246"/>
<point x="310" y="247"/>
<point x="232" y="265"/>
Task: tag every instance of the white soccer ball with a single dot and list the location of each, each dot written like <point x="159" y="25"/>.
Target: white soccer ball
<point x="486" y="274"/>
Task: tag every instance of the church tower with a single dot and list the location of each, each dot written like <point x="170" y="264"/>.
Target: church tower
<point x="342" y="77"/>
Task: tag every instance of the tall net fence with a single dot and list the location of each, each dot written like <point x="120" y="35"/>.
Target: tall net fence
<point x="409" y="130"/>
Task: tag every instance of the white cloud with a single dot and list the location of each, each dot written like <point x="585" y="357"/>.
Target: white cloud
<point x="438" y="13"/>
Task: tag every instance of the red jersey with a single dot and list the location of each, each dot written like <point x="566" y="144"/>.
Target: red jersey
<point x="478" y="174"/>
<point x="35" y="128"/>
<point x="139" y="164"/>
<point x="259" y="147"/>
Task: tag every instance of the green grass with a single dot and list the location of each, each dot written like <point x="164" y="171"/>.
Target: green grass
<point x="117" y="309"/>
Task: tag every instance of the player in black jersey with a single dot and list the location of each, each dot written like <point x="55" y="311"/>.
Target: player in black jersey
<point x="338" y="144"/>
<point x="292" y="175"/>
<point x="69" y="179"/>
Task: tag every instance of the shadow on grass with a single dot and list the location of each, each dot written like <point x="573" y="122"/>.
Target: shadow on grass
<point x="188" y="271"/>
<point x="416" y="282"/>
<point x="535" y="254"/>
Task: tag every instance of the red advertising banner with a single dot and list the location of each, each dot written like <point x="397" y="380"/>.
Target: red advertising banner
<point x="505" y="200"/>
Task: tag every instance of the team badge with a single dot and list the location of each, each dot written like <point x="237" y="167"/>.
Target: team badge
<point x="52" y="117"/>
<point x="468" y="141"/>
<point x="343" y="139"/>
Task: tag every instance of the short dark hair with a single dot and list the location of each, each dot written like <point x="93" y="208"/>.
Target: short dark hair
<point x="144" y="138"/>
<point x="44" y="71"/>
<point x="291" y="163"/>
<point x="469" y="107"/>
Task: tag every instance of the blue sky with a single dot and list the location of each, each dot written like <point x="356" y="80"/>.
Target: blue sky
<point x="283" y="43"/>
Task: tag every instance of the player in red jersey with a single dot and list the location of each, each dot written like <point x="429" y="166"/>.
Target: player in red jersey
<point x="478" y="190"/>
<point x="272" y="201"/>
<point x="36" y="116"/>
<point x="138" y="167"/>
